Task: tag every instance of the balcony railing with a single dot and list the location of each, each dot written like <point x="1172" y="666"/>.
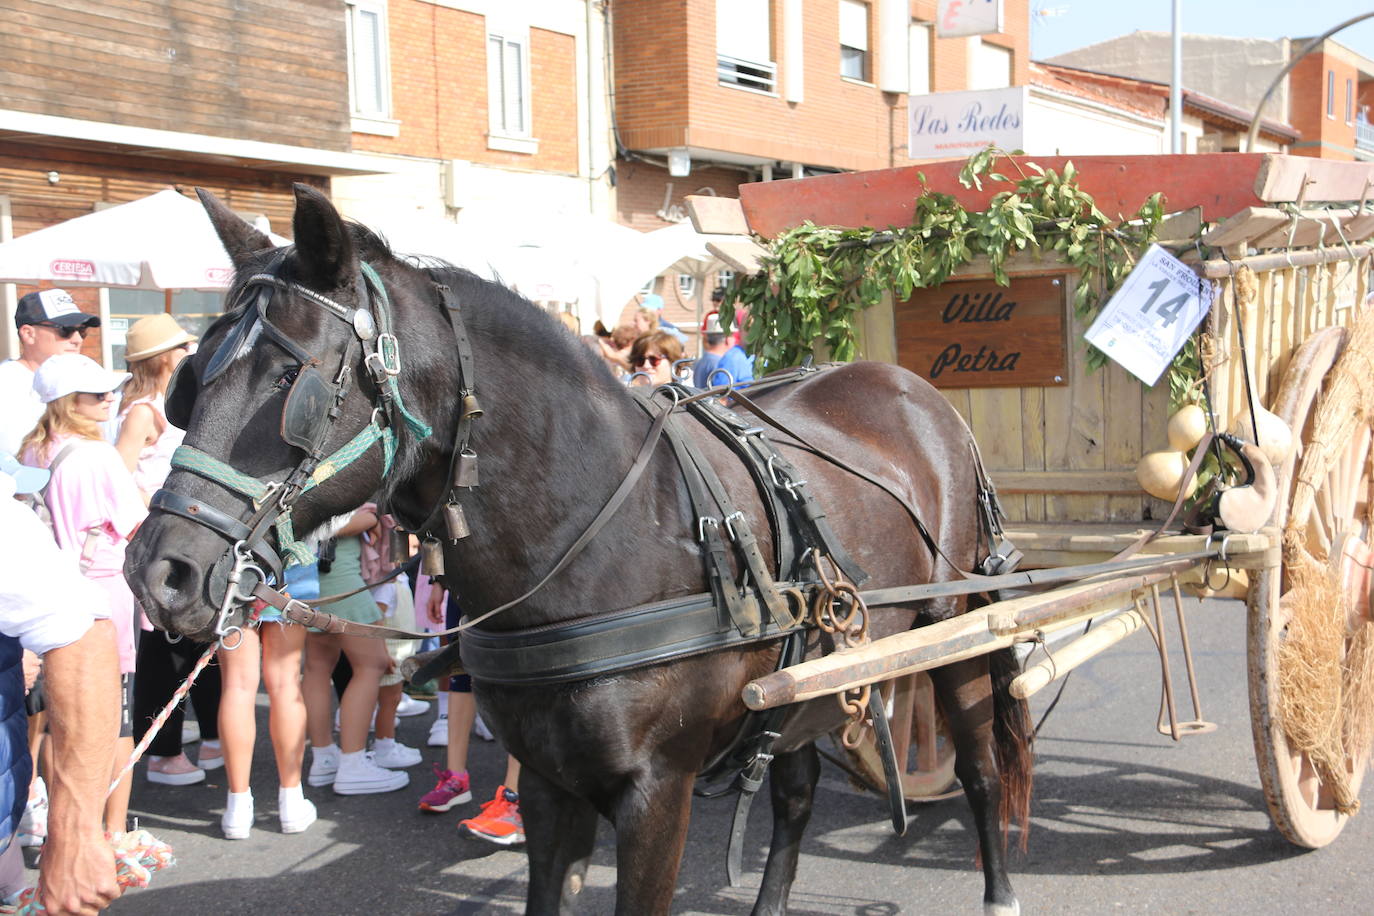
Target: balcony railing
<point x="1364" y="135"/>
<point x="761" y="76"/>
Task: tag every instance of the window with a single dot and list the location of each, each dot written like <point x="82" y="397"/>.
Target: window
<point x="724" y="278"/>
<point x="686" y="285"/>
<point x="1349" y="101"/>
<point x="369" y="70"/>
<point x="919" y="56"/>
<point x="989" y="66"/>
<point x="744" y="56"/>
<point x="854" y="40"/>
<point x="508" y="84"/>
<point x="1330" y="93"/>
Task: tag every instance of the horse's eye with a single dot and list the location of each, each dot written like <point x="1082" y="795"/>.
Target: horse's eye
<point x="288" y="378"/>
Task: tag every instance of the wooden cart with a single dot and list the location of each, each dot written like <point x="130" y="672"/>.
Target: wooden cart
<point x="1062" y="442"/>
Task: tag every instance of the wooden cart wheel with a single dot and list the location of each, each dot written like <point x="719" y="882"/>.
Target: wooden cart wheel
<point x="925" y="752"/>
<point x="1332" y="523"/>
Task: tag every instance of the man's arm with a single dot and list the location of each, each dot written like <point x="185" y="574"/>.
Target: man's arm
<point x="82" y="683"/>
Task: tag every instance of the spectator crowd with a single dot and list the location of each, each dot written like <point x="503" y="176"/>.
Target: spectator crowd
<point x="84" y="674"/>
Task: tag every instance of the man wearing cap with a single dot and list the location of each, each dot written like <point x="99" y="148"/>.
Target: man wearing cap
<point x="49" y="323"/>
<point x="48" y="607"/>
<point x="715" y="343"/>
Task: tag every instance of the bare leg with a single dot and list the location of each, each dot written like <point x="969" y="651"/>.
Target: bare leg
<point x="370" y="661"/>
<point x="388" y="698"/>
<point x="238" y="729"/>
<point x="793" y="788"/>
<point x="560" y="833"/>
<point x="321" y="655"/>
<point x="651" y="829"/>
<point x="281" y="672"/>
<point x="462" y="711"/>
<point x="965" y="692"/>
<point x="512" y="774"/>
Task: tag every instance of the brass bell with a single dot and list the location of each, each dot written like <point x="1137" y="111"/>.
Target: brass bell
<point x="465" y="469"/>
<point x="399" y="546"/>
<point x="456" y="522"/>
<point x="432" y="557"/>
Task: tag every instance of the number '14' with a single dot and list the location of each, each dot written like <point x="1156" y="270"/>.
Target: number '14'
<point x="1167" y="310"/>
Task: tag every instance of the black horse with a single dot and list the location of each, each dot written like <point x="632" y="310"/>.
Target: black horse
<point x="558" y="435"/>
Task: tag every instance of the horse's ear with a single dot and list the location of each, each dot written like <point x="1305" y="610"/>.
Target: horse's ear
<point x="324" y="247"/>
<point x="239" y="238"/>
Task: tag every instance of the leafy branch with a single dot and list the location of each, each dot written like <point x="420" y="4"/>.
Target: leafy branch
<point x="817" y="279"/>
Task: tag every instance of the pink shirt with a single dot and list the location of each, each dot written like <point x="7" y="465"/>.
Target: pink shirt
<point x="155" y="461"/>
<point x="92" y="490"/>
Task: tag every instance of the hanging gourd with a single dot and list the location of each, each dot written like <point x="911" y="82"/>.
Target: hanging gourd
<point x="1161" y="474"/>
<point x="1187" y="427"/>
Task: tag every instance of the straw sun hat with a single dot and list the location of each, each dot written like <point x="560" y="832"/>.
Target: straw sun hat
<point x="153" y="335"/>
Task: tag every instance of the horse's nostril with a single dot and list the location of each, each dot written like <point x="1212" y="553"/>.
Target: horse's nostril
<point x="172" y="582"/>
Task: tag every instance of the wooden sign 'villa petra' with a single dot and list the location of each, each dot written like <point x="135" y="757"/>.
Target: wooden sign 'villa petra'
<point x="977" y="334"/>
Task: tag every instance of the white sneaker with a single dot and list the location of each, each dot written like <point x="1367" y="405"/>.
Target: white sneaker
<point x="360" y="775"/>
<point x="479" y="728"/>
<point x="190" y="731"/>
<point x="409" y="706"/>
<point x="388" y="752"/>
<point x="297" y="812"/>
<point x="324" y="765"/>
<point x="438" y="733"/>
<point x="238" y="816"/>
<point x="211" y="756"/>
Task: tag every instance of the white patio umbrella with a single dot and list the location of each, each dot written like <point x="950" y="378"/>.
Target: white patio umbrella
<point x="164" y="241"/>
<point x="678" y="248"/>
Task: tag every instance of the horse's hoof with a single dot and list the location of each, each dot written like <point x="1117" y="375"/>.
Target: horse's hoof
<point x="1002" y="909"/>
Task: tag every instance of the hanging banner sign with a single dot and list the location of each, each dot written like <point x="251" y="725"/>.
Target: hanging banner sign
<point x="946" y="125"/>
<point x="1152" y="315"/>
<point x="968" y="17"/>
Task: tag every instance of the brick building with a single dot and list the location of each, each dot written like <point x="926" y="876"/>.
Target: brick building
<point x="1325" y="97"/>
<point x="102" y="103"/>
<point x="710" y="95"/>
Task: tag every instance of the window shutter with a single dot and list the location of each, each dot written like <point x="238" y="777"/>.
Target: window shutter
<point x="854" y="24"/>
<point x="742" y="30"/>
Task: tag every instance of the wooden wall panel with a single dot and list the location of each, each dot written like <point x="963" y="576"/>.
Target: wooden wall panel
<point x="268" y="70"/>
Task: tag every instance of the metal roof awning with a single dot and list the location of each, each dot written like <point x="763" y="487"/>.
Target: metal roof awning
<point x="126" y="140"/>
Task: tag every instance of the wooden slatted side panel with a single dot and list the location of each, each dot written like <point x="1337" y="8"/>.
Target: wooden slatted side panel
<point x="1293" y="304"/>
<point x="1068" y="453"/>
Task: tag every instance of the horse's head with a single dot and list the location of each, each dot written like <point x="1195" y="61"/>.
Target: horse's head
<point x="292" y="408"/>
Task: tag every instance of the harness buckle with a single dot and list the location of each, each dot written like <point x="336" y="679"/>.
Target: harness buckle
<point x="702" y="523"/>
<point x="731" y="528"/>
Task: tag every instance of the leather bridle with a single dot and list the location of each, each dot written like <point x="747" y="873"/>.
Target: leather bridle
<point x="311" y="409"/>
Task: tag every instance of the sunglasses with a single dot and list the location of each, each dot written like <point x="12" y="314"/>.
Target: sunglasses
<point x="650" y="361"/>
<point x="63" y="331"/>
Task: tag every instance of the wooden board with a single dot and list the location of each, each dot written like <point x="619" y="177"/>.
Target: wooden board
<point x="977" y="334"/>
<point x="1219" y="183"/>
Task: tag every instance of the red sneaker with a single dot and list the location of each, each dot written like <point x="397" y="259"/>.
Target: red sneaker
<point x="499" y="821"/>
<point x="452" y="789"/>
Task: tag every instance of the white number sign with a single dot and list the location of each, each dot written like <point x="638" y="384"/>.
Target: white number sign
<point x="1150" y="317"/>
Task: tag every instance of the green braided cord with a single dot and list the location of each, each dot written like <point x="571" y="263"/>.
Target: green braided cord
<point x="294" y="552"/>
<point x="417" y="426"/>
<point x="208" y="466"/>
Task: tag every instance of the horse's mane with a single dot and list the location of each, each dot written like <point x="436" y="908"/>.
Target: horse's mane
<point x="536" y="333"/>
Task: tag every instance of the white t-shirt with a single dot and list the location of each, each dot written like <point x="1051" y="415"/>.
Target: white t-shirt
<point x="19" y="405"/>
<point x="44" y="600"/>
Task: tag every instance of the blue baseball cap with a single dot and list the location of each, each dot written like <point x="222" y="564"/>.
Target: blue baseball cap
<point x="26" y="479"/>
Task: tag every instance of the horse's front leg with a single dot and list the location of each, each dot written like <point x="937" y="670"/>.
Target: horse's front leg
<point x="560" y="832"/>
<point x="650" y="832"/>
<point x="965" y="692"/>
<point x="792" y="784"/>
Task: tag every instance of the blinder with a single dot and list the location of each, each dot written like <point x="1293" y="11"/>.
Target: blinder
<point x="305" y="416"/>
<point x="180" y="399"/>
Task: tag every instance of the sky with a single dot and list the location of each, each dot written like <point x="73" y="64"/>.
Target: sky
<point x="1063" y="25"/>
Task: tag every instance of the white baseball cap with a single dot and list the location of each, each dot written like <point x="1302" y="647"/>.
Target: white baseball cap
<point x="68" y="373"/>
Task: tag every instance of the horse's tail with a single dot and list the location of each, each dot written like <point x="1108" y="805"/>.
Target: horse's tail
<point x="1012" y="732"/>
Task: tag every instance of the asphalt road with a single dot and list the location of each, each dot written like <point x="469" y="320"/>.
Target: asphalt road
<point x="1125" y="821"/>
